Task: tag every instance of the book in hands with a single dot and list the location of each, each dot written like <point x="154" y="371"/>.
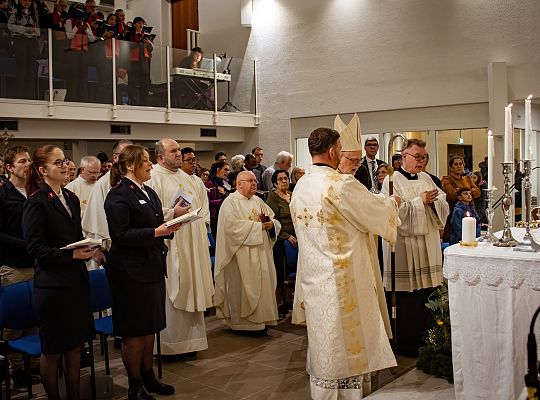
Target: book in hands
<point x="182" y="198"/>
<point x="185" y="219"/>
<point x="83" y="243"/>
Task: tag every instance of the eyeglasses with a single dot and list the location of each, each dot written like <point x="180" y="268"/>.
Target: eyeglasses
<point x="417" y="158"/>
<point x="354" y="160"/>
<point x="283" y="178"/>
<point x="371" y="145"/>
<point x="60" y="163"/>
<point x="190" y="160"/>
<point x="92" y="172"/>
<point x="248" y="180"/>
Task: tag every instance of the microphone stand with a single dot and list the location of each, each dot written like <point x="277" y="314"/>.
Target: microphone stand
<point x="228" y="103"/>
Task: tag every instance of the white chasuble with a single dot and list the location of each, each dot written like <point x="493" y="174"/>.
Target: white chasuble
<point x="189" y="275"/>
<point x="94" y="221"/>
<point x="418" y="245"/>
<point x="339" y="294"/>
<point x="245" y="275"/>
<point x="82" y="189"/>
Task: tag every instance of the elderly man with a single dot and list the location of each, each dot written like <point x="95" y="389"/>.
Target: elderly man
<point x="337" y="294"/>
<point x="370" y="163"/>
<point x="189" y="271"/>
<point x="245" y="275"/>
<point x="423" y="213"/>
<point x="283" y="162"/>
<point x="83" y="184"/>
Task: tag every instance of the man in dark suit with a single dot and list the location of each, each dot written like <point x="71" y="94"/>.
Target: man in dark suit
<point x="368" y="175"/>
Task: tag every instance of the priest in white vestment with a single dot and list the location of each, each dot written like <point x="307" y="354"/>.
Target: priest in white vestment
<point x="189" y="274"/>
<point x="423" y="214"/>
<point x="245" y="276"/>
<point x="336" y="291"/>
<point x="83" y="184"/>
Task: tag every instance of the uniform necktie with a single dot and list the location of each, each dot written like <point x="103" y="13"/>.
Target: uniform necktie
<point x="373" y="172"/>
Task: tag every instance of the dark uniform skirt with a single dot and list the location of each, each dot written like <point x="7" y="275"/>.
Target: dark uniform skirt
<point x="138" y="308"/>
<point x="64" y="316"/>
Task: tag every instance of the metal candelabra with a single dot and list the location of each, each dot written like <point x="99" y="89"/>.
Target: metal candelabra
<point x="506" y="240"/>
<point x="528" y="243"/>
<point x="488" y="236"/>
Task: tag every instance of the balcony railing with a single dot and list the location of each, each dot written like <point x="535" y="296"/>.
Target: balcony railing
<point x="120" y="73"/>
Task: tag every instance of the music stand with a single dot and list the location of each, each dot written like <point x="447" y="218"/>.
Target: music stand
<point x="228" y="104"/>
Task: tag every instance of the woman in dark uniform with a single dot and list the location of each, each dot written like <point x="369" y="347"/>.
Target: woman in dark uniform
<point x="136" y="268"/>
<point x="51" y="220"/>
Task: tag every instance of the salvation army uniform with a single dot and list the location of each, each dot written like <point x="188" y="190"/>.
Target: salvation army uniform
<point x="61" y="287"/>
<point x="136" y="261"/>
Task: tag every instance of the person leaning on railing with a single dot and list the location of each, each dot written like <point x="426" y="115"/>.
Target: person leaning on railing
<point x="24" y="27"/>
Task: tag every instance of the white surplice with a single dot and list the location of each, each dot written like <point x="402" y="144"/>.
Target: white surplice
<point x="82" y="189"/>
<point x="339" y="294"/>
<point x="189" y="276"/>
<point x="245" y="275"/>
<point x="418" y="245"/>
<point x="94" y="221"/>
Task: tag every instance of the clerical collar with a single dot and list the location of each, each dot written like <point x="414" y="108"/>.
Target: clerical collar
<point x="320" y="164"/>
<point x="408" y="175"/>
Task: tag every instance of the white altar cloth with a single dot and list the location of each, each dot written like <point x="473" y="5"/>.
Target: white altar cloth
<point x="493" y="294"/>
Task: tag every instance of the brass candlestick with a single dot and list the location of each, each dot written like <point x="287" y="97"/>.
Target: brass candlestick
<point x="506" y="240"/>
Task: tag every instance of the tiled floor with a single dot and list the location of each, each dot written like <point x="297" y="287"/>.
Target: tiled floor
<point x="238" y="366"/>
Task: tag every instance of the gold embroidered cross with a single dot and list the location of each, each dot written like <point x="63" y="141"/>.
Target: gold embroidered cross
<point x="306" y="217"/>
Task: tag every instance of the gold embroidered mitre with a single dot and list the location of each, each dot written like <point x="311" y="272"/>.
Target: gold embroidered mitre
<point x="349" y="135"/>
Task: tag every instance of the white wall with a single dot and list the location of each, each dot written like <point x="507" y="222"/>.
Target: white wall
<point x="321" y="57"/>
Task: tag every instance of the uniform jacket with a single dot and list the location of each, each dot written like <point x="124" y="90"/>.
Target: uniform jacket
<point x="132" y="218"/>
<point x="47" y="226"/>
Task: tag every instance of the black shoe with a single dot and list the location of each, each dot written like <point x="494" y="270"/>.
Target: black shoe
<point x="19" y="380"/>
<point x="154" y="385"/>
<point x="139" y="393"/>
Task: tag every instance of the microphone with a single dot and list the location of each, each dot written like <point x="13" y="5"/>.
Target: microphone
<point x="531" y="379"/>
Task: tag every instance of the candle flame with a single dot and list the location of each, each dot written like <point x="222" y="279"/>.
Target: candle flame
<point x="489" y="133"/>
<point x="510" y="105"/>
<point x="467" y="214"/>
<point x="529" y="96"/>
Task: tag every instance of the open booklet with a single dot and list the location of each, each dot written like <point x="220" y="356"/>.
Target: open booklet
<point x="185" y="199"/>
<point x="185" y="219"/>
<point x="83" y="243"/>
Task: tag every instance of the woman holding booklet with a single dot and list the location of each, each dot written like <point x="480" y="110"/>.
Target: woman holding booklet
<point x="136" y="268"/>
<point x="52" y="220"/>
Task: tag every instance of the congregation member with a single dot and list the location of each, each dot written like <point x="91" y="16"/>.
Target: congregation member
<point x="370" y="162"/>
<point x="296" y="174"/>
<point x="258" y="152"/>
<point x="218" y="189"/>
<point x="279" y="200"/>
<point x="463" y="208"/>
<point x="451" y="183"/>
<point x="396" y="161"/>
<point x="480" y="202"/>
<point x="220" y="156"/>
<point x="283" y="162"/>
<point x="337" y="295"/>
<point x="94" y="221"/>
<point x="139" y="66"/>
<point x="204" y="174"/>
<point x="250" y="164"/>
<point x="136" y="268"/>
<point x="16" y="265"/>
<point x="382" y="172"/>
<point x="244" y="272"/>
<point x="57" y="21"/>
<point x="52" y="220"/>
<point x="423" y="212"/>
<point x="83" y="184"/>
<point x="24" y="27"/>
<point x="237" y="163"/>
<point x="72" y="171"/>
<point x="189" y="275"/>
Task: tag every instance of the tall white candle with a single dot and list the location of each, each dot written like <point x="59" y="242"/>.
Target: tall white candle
<point x="468" y="230"/>
<point x="508" y="135"/>
<point x="491" y="155"/>
<point x="528" y="129"/>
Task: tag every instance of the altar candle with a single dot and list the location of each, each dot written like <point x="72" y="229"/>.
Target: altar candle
<point x="528" y="128"/>
<point x="508" y="135"/>
<point x="468" y="230"/>
<point x="491" y="154"/>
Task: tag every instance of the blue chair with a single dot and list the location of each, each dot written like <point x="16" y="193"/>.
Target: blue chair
<point x="17" y="313"/>
<point x="291" y="255"/>
<point x="212" y="248"/>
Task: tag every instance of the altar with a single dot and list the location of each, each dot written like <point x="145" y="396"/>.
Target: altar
<point x="493" y="294"/>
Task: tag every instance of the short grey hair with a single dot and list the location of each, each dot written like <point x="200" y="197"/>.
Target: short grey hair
<point x="371" y="139"/>
<point x="89" y="160"/>
<point x="237" y="162"/>
<point x="283" y="156"/>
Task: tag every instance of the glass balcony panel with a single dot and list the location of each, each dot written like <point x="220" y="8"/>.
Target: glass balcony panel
<point x="238" y="94"/>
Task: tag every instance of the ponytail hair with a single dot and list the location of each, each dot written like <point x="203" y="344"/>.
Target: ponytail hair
<point x="132" y="155"/>
<point x="39" y="159"/>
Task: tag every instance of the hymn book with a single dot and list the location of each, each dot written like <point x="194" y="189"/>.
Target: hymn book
<point x="185" y="219"/>
<point x="83" y="243"/>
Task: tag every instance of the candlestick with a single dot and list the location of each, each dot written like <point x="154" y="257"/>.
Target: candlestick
<point x="528" y="129"/>
<point x="491" y="155"/>
<point x="468" y="229"/>
<point x="528" y="243"/>
<point x="508" y="135"/>
<point x="488" y="236"/>
<point x="506" y="240"/>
